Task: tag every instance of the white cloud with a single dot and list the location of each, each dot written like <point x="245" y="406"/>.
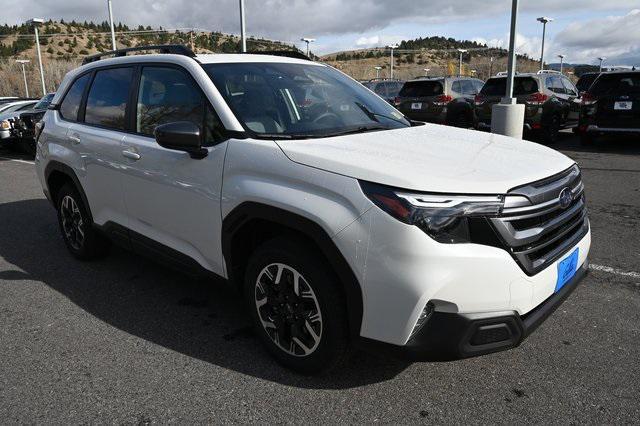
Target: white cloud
<point x="615" y="37"/>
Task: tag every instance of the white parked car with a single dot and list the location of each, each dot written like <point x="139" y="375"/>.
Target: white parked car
<point x="10" y="111"/>
<point x="344" y="224"/>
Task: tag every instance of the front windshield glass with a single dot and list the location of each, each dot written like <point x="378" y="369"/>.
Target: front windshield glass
<point x="300" y="100"/>
<point x="44" y="102"/>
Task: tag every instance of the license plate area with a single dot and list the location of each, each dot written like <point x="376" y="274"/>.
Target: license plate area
<point x="623" y="106"/>
<point x="416" y="105"/>
<point x="567" y="269"/>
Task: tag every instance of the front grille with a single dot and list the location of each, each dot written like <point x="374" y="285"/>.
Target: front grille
<point x="535" y="228"/>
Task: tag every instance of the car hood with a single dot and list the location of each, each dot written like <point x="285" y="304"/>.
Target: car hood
<point x="431" y="158"/>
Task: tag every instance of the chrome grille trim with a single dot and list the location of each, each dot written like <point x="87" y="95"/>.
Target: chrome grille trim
<point x="539" y="233"/>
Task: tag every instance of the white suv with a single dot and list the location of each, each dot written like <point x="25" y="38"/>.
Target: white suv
<point x="343" y="224"/>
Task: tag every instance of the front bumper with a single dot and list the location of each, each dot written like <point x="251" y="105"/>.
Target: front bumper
<point x="451" y="336"/>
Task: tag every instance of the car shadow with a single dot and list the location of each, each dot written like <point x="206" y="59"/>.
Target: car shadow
<point x="620" y="144"/>
<point x="198" y="318"/>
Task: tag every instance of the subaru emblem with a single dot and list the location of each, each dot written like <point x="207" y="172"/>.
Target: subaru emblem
<point x="565" y="198"/>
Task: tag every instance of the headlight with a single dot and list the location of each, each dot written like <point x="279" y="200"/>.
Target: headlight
<point x="4" y="124"/>
<point x="445" y="218"/>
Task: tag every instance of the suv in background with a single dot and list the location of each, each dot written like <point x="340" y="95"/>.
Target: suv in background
<point x="611" y="106"/>
<point x="442" y="100"/>
<point x="552" y="102"/>
<point x="387" y="89"/>
<point x="585" y="81"/>
<point x="342" y="226"/>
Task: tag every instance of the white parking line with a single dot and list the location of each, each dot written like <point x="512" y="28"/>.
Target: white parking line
<point x="615" y="271"/>
<point x="18" y="161"/>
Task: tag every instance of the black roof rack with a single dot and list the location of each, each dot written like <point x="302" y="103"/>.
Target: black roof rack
<point x="285" y="53"/>
<point x="176" y="49"/>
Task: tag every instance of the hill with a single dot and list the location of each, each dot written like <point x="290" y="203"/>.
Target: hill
<point x="64" y="44"/>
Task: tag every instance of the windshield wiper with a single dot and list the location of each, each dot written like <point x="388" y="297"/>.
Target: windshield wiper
<point x="374" y="115"/>
<point x="360" y="129"/>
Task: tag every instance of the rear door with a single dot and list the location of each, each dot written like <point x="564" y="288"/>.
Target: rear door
<point x="172" y="198"/>
<point x="97" y="138"/>
<point x="618" y="104"/>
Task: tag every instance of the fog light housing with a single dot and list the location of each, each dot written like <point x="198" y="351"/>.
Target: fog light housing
<point x="426" y="313"/>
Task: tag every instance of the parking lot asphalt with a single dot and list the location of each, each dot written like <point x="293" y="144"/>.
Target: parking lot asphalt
<point x="124" y="340"/>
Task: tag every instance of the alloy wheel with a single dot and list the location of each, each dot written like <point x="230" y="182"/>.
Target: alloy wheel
<point x="288" y="309"/>
<point x="72" y="222"/>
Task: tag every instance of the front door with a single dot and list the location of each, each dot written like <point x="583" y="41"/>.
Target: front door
<point x="171" y="198"/>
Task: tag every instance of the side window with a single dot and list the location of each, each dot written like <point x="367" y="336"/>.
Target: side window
<point x="569" y="87"/>
<point x="456" y="86"/>
<point x="107" y="99"/>
<point x="71" y="104"/>
<point x="168" y="95"/>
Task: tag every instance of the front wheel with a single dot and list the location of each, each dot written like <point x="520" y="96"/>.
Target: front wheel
<point x="296" y="305"/>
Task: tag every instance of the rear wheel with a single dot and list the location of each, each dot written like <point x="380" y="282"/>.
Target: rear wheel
<point x="296" y="306"/>
<point x="81" y="238"/>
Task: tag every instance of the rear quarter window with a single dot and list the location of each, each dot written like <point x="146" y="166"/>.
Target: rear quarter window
<point x="71" y="104"/>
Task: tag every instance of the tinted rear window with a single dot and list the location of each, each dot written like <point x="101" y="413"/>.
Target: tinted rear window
<point x="616" y="84"/>
<point x="416" y="89"/>
<point x="498" y="86"/>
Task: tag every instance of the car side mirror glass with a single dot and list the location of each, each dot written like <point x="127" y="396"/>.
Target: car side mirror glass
<point x="181" y="136"/>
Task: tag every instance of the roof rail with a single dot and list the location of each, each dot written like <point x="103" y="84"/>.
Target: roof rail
<point x="176" y="49"/>
<point x="285" y="53"/>
<point x="548" y="72"/>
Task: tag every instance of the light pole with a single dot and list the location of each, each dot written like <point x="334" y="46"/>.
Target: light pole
<point x="508" y="115"/>
<point x="35" y="22"/>
<point x="24" y="75"/>
<point x="462" y="51"/>
<point x="491" y="66"/>
<point x="378" y="68"/>
<point x="308" y="41"/>
<point x="561" y="62"/>
<point x="113" y="34"/>
<point x="426" y="72"/>
<point x="392" y="47"/>
<point x="602" y="59"/>
<point x="243" y="35"/>
<point x="545" y="20"/>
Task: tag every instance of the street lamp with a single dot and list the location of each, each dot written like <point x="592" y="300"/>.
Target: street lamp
<point x="113" y="34"/>
<point x="35" y="22"/>
<point x="462" y="51"/>
<point x="561" y="62"/>
<point x="426" y="72"/>
<point x="308" y="41"/>
<point x="602" y="59"/>
<point x="491" y="66"/>
<point x="243" y="35"/>
<point x="392" y="47"/>
<point x="24" y="75"/>
<point x="378" y="68"/>
<point x="545" y="20"/>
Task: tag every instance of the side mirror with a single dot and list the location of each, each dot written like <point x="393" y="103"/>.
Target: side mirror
<point x="181" y="136"/>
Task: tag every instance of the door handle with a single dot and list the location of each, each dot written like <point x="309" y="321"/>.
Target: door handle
<point x="131" y="155"/>
<point x="75" y="139"/>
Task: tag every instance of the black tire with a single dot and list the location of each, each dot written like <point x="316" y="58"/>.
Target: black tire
<point x="79" y="235"/>
<point x="463" y="120"/>
<point x="28" y="146"/>
<point x="551" y="131"/>
<point x="287" y="313"/>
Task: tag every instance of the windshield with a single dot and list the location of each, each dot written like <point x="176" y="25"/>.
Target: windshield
<point x="498" y="86"/>
<point x="44" y="102"/>
<point x="300" y="100"/>
<point x="418" y="89"/>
